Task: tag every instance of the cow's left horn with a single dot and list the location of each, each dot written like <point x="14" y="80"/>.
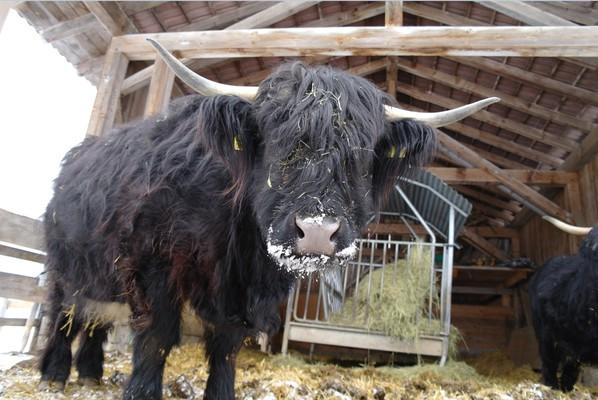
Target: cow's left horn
<point x="442" y="118"/>
<point x="199" y="83"/>
<point x="572" y="229"/>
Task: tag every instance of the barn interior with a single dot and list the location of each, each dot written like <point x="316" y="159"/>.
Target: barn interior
<point x="535" y="153"/>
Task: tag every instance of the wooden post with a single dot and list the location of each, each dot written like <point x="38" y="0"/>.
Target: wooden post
<point x="160" y="89"/>
<point x="106" y="102"/>
<point x="393" y="16"/>
<point x="573" y="204"/>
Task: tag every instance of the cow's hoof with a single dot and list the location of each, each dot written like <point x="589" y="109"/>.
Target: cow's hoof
<point x="88" y="382"/>
<point x="51" y="386"/>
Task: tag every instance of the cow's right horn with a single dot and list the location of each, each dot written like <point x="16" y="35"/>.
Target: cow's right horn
<point x="574" y="230"/>
<point x="442" y="118"/>
<point x="199" y="83"/>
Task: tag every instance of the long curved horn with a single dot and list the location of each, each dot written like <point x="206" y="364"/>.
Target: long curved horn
<point x="572" y="229"/>
<point x="439" y="119"/>
<point x="199" y="83"/>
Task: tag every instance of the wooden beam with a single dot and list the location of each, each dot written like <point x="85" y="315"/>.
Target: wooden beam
<point x="494" y="232"/>
<point x="273" y="14"/>
<point x="468" y="176"/>
<point x="160" y="89"/>
<point x="22" y="253"/>
<point x="492" y="119"/>
<point x="584" y="153"/>
<point x="111" y="17"/>
<point x="104" y="108"/>
<point x="489" y="199"/>
<point x="440" y="15"/>
<point x="21" y="287"/>
<point x="5" y="7"/>
<point x="498" y="215"/>
<point x="526" y="13"/>
<point x="513" y="102"/>
<point x="370" y="41"/>
<point x="483" y="245"/>
<point x="527" y="194"/>
<point x="21" y="231"/>
<point x="481" y="312"/>
<point x="393" y="16"/>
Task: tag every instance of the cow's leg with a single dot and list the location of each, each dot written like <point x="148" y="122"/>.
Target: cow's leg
<point x="222" y="346"/>
<point x="157" y="330"/>
<point x="55" y="365"/>
<point x="550" y="361"/>
<point x="570" y="373"/>
<point x="90" y="355"/>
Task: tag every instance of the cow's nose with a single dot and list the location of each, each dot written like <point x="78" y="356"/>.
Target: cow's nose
<point x="316" y="234"/>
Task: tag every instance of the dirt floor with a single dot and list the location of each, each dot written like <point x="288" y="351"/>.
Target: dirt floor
<point x="260" y="376"/>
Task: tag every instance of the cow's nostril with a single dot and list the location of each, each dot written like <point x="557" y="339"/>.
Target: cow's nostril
<point x="300" y="233"/>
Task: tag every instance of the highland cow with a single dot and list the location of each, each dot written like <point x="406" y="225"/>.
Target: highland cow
<point x="221" y="203"/>
<point x="564" y="302"/>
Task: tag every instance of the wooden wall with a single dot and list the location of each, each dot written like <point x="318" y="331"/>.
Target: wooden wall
<point x="541" y="241"/>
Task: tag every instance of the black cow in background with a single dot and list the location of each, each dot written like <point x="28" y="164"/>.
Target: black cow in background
<point x="564" y="302"/>
<point x="221" y="203"/>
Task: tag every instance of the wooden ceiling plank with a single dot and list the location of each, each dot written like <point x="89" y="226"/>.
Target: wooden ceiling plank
<point x="572" y="12"/>
<point x="511" y="101"/>
<point x="507" y="145"/>
<point x="526" y="194"/>
<point x="473" y="176"/>
<point x="111" y="17"/>
<point x="492" y="119"/>
<point x="273" y="14"/>
<point x="526" y="13"/>
<point x="490" y="211"/>
<point x="226" y="18"/>
<point x="529" y="78"/>
<point x="69" y="28"/>
<point x="499" y="142"/>
<point x="358" y="13"/>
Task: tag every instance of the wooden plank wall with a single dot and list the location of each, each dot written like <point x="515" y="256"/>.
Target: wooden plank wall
<point x="541" y="241"/>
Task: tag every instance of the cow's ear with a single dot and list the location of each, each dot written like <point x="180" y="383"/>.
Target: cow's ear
<point x="404" y="146"/>
<point x="228" y="130"/>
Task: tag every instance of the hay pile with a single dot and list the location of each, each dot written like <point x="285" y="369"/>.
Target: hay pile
<point x="263" y="377"/>
<point x="399" y="306"/>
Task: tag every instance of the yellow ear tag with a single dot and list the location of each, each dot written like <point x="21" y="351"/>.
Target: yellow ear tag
<point x="392" y="152"/>
<point x="403" y="152"/>
<point x="237" y="143"/>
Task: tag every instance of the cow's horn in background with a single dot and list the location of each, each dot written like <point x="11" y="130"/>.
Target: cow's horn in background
<point x="574" y="230"/>
<point x="199" y="83"/>
<point x="208" y="88"/>
<point x="442" y="118"/>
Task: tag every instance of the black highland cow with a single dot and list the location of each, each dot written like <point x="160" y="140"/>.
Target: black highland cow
<point x="564" y="301"/>
<point x="220" y="203"/>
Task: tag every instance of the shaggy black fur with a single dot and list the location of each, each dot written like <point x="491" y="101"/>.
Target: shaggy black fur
<point x="180" y="208"/>
<point x="564" y="300"/>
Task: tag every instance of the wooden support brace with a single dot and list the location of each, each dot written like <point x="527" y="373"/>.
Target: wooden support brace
<point x="160" y="89"/>
<point x="527" y="194"/>
<point x="483" y="245"/>
<point x="104" y="108"/>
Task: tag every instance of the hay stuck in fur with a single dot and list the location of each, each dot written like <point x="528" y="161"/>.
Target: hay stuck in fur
<point x="399" y="299"/>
